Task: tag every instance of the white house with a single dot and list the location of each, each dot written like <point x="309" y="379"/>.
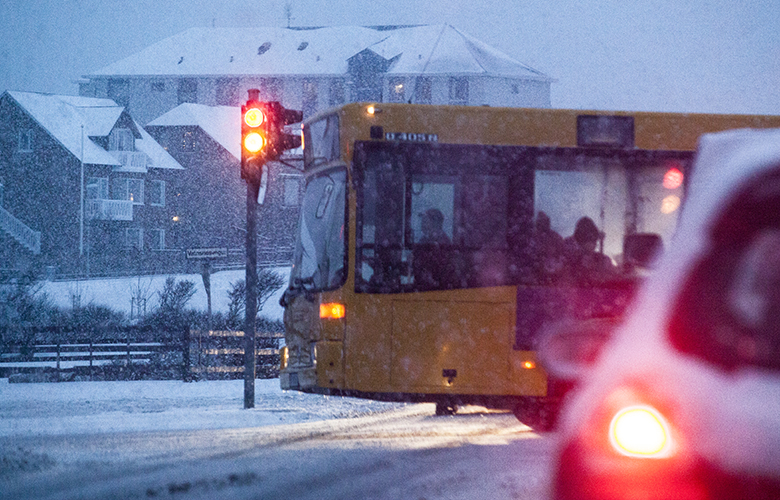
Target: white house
<point x="312" y="69"/>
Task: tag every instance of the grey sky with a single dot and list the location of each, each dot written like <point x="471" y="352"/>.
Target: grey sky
<point x="658" y="55"/>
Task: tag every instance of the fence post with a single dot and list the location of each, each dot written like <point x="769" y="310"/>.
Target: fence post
<point x="58" y="362"/>
<point x="91" y="355"/>
<point x="185" y="351"/>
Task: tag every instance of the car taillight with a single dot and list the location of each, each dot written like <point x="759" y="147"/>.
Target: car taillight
<point x="640" y="431"/>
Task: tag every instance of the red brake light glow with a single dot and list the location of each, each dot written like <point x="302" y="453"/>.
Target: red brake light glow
<point x="640" y="431"/>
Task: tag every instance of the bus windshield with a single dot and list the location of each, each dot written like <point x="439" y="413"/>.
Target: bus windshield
<point x="443" y="216"/>
<point x="319" y="258"/>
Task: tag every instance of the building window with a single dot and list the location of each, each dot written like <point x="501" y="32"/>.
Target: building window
<point x="157" y="239"/>
<point x="309" y="97"/>
<point x="97" y="188"/>
<point x="515" y="88"/>
<point x="291" y="191"/>
<point x="134" y="238"/>
<point x="188" y="90"/>
<point x="121" y="139"/>
<point x="158" y="86"/>
<point x="227" y="92"/>
<point x="422" y="90"/>
<point x="337" y="94"/>
<point x="125" y="188"/>
<point x="25" y="141"/>
<point x="157" y="194"/>
<point x="459" y="90"/>
<point x="397" y="90"/>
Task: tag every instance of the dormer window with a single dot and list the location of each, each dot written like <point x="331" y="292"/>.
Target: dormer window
<point x="121" y="139"/>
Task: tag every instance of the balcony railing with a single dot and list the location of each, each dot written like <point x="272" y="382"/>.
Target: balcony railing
<point x="20" y="231"/>
<point x="131" y="160"/>
<point x="109" y="209"/>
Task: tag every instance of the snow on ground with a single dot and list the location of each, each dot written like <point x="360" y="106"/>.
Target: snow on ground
<point x="101" y="407"/>
<point x="116" y="293"/>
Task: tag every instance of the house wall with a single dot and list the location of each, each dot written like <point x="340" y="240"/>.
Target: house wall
<point x="211" y="203"/>
<point x="41" y="188"/>
<point x="151" y="97"/>
<point x="35" y="190"/>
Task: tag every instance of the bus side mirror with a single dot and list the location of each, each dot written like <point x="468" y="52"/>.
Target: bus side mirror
<point x="639" y="249"/>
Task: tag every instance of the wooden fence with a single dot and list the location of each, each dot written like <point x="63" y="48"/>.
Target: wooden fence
<point x="132" y="353"/>
<point x="220" y="354"/>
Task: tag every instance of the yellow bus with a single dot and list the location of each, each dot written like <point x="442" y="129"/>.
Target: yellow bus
<point x="436" y="244"/>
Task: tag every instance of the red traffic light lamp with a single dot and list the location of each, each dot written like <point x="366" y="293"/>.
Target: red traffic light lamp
<point x="263" y="137"/>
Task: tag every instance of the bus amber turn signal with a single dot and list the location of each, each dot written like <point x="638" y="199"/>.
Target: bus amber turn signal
<point x="332" y="310"/>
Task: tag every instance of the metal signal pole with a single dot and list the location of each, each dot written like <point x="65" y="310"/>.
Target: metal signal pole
<point x="252" y="191"/>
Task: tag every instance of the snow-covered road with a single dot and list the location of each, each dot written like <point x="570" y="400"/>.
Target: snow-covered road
<point x="177" y="440"/>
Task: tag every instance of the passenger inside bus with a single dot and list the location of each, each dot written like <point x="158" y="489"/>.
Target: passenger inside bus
<point x="587" y="265"/>
<point x="432" y="254"/>
<point x="547" y="250"/>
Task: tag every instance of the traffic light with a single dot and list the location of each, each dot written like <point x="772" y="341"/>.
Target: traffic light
<point x="263" y="137"/>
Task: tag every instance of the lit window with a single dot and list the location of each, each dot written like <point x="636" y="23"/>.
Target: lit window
<point x="397" y="90"/>
<point x="128" y="189"/>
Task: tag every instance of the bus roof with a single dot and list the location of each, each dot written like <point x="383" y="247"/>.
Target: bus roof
<point x="542" y="127"/>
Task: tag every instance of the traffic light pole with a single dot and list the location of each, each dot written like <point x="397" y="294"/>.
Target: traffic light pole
<point x="262" y="139"/>
<point x="252" y="191"/>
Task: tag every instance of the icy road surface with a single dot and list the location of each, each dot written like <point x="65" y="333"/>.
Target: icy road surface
<point x="171" y="439"/>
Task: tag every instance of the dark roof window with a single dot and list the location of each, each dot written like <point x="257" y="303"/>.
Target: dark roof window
<point x="263" y="48"/>
<point x="303" y="45"/>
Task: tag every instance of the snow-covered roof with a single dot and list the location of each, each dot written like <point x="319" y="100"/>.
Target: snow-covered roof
<point x="222" y="123"/>
<point x="64" y="121"/>
<point x="72" y="120"/>
<point x="441" y="48"/>
<point x="159" y="156"/>
<point x="273" y="51"/>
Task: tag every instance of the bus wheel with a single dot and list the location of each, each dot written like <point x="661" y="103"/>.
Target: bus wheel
<point x="540" y="414"/>
<point x="446" y="408"/>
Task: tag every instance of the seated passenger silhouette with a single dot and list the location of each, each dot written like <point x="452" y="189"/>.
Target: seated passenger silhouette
<point x="547" y="250"/>
<point x="586" y="264"/>
<point x="431" y="264"/>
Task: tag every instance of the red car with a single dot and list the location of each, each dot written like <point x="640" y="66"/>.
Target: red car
<point x="683" y="401"/>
